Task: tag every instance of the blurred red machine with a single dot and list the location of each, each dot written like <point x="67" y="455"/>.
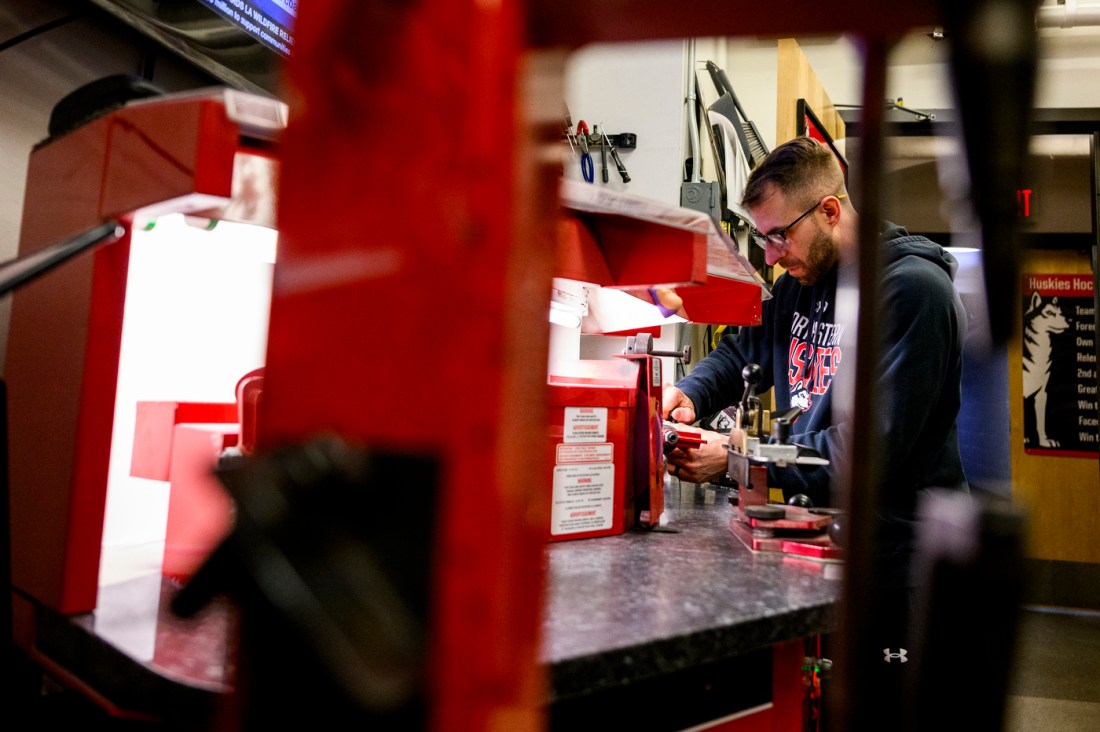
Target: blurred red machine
<point x="208" y="154"/>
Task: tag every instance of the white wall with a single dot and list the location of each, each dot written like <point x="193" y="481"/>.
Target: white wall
<point x="632" y="88"/>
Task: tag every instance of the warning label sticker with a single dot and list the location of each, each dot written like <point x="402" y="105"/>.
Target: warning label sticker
<point x="599" y="452"/>
<point x="583" y="498"/>
<point x="585" y="424"/>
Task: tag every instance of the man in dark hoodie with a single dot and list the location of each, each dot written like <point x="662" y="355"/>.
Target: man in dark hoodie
<point x="805" y="222"/>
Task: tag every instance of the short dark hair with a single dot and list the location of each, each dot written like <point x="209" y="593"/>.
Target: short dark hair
<point x="803" y="169"/>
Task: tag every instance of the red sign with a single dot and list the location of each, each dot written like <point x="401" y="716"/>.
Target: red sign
<point x="1023" y="202"/>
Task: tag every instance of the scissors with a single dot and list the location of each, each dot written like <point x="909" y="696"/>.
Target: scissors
<point x="588" y="171"/>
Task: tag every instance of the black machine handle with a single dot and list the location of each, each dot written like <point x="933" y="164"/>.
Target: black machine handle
<point x="781" y="424"/>
<point x="750" y="404"/>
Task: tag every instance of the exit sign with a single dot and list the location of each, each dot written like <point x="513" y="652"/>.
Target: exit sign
<point x="1024" y="202"/>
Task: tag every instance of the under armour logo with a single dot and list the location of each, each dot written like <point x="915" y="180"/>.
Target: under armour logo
<point x="900" y="655"/>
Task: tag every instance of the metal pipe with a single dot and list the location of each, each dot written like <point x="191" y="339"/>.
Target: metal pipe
<point x="693" y="121"/>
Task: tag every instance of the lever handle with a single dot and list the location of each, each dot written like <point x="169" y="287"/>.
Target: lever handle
<point x="781" y="424"/>
<point x="752" y="375"/>
<point x="750" y="405"/>
<point x="684" y="354"/>
<point x="643" y="344"/>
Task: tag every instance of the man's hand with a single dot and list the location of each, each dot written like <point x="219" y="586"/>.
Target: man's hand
<point x="676" y="405"/>
<point x="701" y="464"/>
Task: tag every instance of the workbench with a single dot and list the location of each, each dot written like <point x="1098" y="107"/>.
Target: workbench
<point x="680" y="625"/>
<point x="637" y="627"/>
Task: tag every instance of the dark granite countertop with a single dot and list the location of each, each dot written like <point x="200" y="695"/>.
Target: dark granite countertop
<point x="619" y="609"/>
<point x="624" y="608"/>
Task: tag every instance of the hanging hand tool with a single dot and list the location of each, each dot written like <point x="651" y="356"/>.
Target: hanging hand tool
<point x="753" y="145"/>
<point x="603" y="152"/>
<point x="580" y="137"/>
<point x="587" y="170"/>
<point x="618" y="163"/>
<point x="570" y="136"/>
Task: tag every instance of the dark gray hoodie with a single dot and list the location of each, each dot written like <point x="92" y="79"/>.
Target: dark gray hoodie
<point x="801" y="348"/>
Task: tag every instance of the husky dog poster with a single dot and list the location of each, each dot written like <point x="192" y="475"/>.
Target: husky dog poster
<point x="1059" y="366"/>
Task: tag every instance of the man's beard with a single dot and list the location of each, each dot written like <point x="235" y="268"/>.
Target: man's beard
<point x="821" y="257"/>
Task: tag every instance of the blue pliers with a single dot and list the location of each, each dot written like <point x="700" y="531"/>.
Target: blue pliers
<point x="588" y="171"/>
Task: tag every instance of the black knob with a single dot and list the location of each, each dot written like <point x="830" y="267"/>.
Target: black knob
<point x="836" y="529"/>
<point x="781" y="425"/>
<point x="800" y="499"/>
<point x="752" y="375"/>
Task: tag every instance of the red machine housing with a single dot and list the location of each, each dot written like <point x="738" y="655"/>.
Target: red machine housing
<point x="163" y="155"/>
<point x="606" y="471"/>
<point x="591" y="438"/>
